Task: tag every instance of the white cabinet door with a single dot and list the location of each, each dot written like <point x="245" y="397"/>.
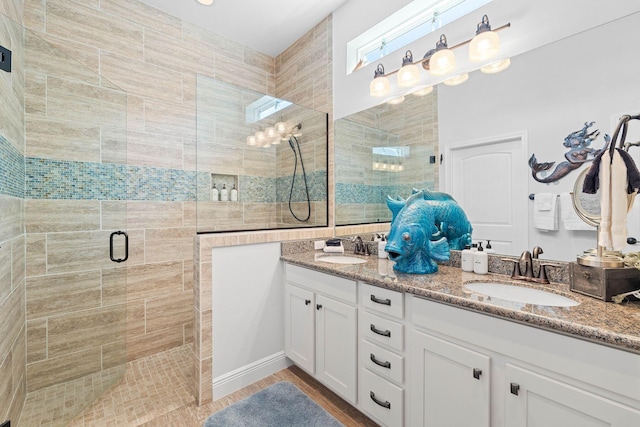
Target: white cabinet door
<point x="336" y="343"/>
<point x="450" y="384"/>
<point x="534" y="400"/>
<point x="300" y="327"/>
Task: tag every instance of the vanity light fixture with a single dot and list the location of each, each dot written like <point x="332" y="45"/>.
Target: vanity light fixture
<point x="205" y="2"/>
<point x="273" y="135"/>
<point x="409" y="74"/>
<point x="380" y="85"/>
<point x="251" y="140"/>
<point x="441" y="61"/>
<point x="457" y="80"/>
<point x="396" y="101"/>
<point x="486" y="44"/>
<point x="496" y="66"/>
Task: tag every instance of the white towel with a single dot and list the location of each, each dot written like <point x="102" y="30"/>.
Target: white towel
<point x="545" y="214"/>
<point x="570" y="219"/>
<point x="614" y="202"/>
<point x="334" y="249"/>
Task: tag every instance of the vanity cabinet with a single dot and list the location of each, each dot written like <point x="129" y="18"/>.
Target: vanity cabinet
<point x="475" y="370"/>
<point x="321" y="327"/>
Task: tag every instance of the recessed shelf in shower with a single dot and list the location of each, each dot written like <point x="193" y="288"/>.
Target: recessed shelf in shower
<point x="226" y="180"/>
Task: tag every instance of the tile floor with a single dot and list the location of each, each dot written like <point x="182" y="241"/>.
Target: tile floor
<point x="155" y="391"/>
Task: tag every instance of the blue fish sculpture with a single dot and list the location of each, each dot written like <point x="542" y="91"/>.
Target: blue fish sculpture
<point x="451" y="220"/>
<point x="409" y="241"/>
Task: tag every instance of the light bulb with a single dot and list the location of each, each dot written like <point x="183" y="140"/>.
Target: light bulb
<point x="270" y="133"/>
<point x="281" y="128"/>
<point x="426" y="90"/>
<point x="496" y="66"/>
<point x="251" y="140"/>
<point x="443" y="60"/>
<point x="486" y="44"/>
<point x="409" y="74"/>
<point x="457" y="80"/>
<point x="261" y="138"/>
<point x="380" y="85"/>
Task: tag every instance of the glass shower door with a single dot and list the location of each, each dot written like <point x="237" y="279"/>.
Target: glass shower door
<point x="76" y="242"/>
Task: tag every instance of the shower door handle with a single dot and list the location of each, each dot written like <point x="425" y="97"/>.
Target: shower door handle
<point x="126" y="246"/>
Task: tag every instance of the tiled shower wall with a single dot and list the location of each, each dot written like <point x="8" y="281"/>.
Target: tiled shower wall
<point x="361" y="190"/>
<point x="154" y="58"/>
<point x="12" y="238"/>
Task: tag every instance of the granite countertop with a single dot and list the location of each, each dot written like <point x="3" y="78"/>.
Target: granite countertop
<point x="615" y="325"/>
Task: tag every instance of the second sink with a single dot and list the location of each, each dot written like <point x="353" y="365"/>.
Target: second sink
<point x="520" y="294"/>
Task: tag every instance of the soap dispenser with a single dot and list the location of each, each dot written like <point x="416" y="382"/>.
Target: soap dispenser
<point x="214" y="193"/>
<point x="224" y="193"/>
<point x="381" y="244"/>
<point x="488" y="248"/>
<point x="480" y="261"/>
<point x="467" y="259"/>
<point x="234" y="194"/>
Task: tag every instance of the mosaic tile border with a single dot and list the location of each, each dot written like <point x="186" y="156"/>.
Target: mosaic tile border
<point x="12" y="170"/>
<point x="374" y="194"/>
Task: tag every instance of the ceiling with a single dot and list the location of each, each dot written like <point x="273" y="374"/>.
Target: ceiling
<point x="268" y="26"/>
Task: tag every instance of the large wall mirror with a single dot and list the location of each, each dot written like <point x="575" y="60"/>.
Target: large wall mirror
<point x="547" y="93"/>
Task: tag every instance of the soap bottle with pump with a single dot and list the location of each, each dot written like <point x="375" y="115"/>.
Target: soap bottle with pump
<point x="488" y="248"/>
<point x="467" y="259"/>
<point x="381" y="244"/>
<point x="214" y="193"/>
<point x="480" y="261"/>
<point x="224" y="193"/>
<point x="234" y="194"/>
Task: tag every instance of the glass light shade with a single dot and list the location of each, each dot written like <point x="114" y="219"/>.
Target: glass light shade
<point x="400" y="167"/>
<point x="251" y="140"/>
<point x="281" y="128"/>
<point x="380" y="86"/>
<point x="396" y="101"/>
<point x="266" y="145"/>
<point x="457" y="80"/>
<point x="442" y="62"/>
<point x="423" y="91"/>
<point x="408" y="75"/>
<point x="270" y="133"/>
<point x="261" y="138"/>
<point x="485" y="45"/>
<point x="205" y="2"/>
<point x="496" y="66"/>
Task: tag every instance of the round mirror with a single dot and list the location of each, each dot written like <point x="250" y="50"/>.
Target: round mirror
<point x="587" y="206"/>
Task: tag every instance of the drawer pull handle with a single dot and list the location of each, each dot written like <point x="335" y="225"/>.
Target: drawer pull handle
<point x="385" y="404"/>
<point x="476" y="373"/>
<point x="379" y="363"/>
<point x="381" y="301"/>
<point x="386" y="333"/>
<point x="307" y="302"/>
<point x="515" y="388"/>
<point x="318" y="306"/>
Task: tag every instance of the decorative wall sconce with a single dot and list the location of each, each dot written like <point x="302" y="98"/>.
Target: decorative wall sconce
<point x="441" y="61"/>
<point x="273" y="135"/>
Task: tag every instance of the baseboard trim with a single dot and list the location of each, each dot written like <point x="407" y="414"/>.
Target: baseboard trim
<point x="248" y="374"/>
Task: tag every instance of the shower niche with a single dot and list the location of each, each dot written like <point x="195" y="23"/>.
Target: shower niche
<point x="272" y="150"/>
<point x="227" y="182"/>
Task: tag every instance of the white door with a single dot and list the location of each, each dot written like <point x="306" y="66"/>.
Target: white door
<point x="488" y="178"/>
<point x="300" y="327"/>
<point x="533" y="400"/>
<point x="451" y="384"/>
<point x="336" y="342"/>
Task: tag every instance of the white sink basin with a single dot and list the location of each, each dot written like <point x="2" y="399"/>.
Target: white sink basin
<point x="341" y="259"/>
<point x="520" y="294"/>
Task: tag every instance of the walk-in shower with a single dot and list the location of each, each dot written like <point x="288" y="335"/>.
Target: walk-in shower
<point x="272" y="152"/>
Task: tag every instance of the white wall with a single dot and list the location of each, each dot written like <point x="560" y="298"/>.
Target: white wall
<point x="248" y="315"/>
<point x="549" y="93"/>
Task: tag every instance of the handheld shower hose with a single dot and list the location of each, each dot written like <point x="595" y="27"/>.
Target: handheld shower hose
<point x="293" y="139"/>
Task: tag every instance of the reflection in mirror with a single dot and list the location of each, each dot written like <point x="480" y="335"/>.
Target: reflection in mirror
<point x="271" y="152"/>
<point x="587" y="206"/>
<point x="384" y="150"/>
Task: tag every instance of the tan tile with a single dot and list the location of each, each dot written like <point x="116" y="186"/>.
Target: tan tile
<point x="62" y="293"/>
<point x="147" y="214"/>
<point x="189" y="214"/>
<point x="6" y="390"/>
<point x="148" y="149"/>
<point x="34" y="16"/>
<point x="113" y="143"/>
<point x="233" y="71"/>
<point x="140" y="13"/>
<point x="18" y="256"/>
<point x="78" y="251"/>
<point x="189" y="154"/>
<point x="19" y="357"/>
<point x="143" y="281"/>
<point x="85" y="330"/>
<point x="161" y="50"/>
<point x="169" y="244"/>
<point x="12" y="310"/>
<point x="12" y="9"/>
<point x="59" y="139"/>
<point x="52" y="216"/>
<point x="82" y="24"/>
<point x="169" y="310"/>
<point x="36" y="340"/>
<point x="36" y="254"/>
<point x="35" y="93"/>
<point x="206" y="41"/>
<point x="187" y="269"/>
<point x="5" y="271"/>
<point x="169" y="119"/>
<point x="135" y="318"/>
<point x="135" y="112"/>
<point x="150" y="343"/>
<point x="74" y="101"/>
<point x="10" y="220"/>
<point x="62" y="369"/>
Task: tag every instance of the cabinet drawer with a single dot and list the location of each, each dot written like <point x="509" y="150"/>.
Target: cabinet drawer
<point x="381" y="399"/>
<point x="383" y="300"/>
<point x="336" y="287"/>
<point x="383" y="362"/>
<point x="383" y="331"/>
